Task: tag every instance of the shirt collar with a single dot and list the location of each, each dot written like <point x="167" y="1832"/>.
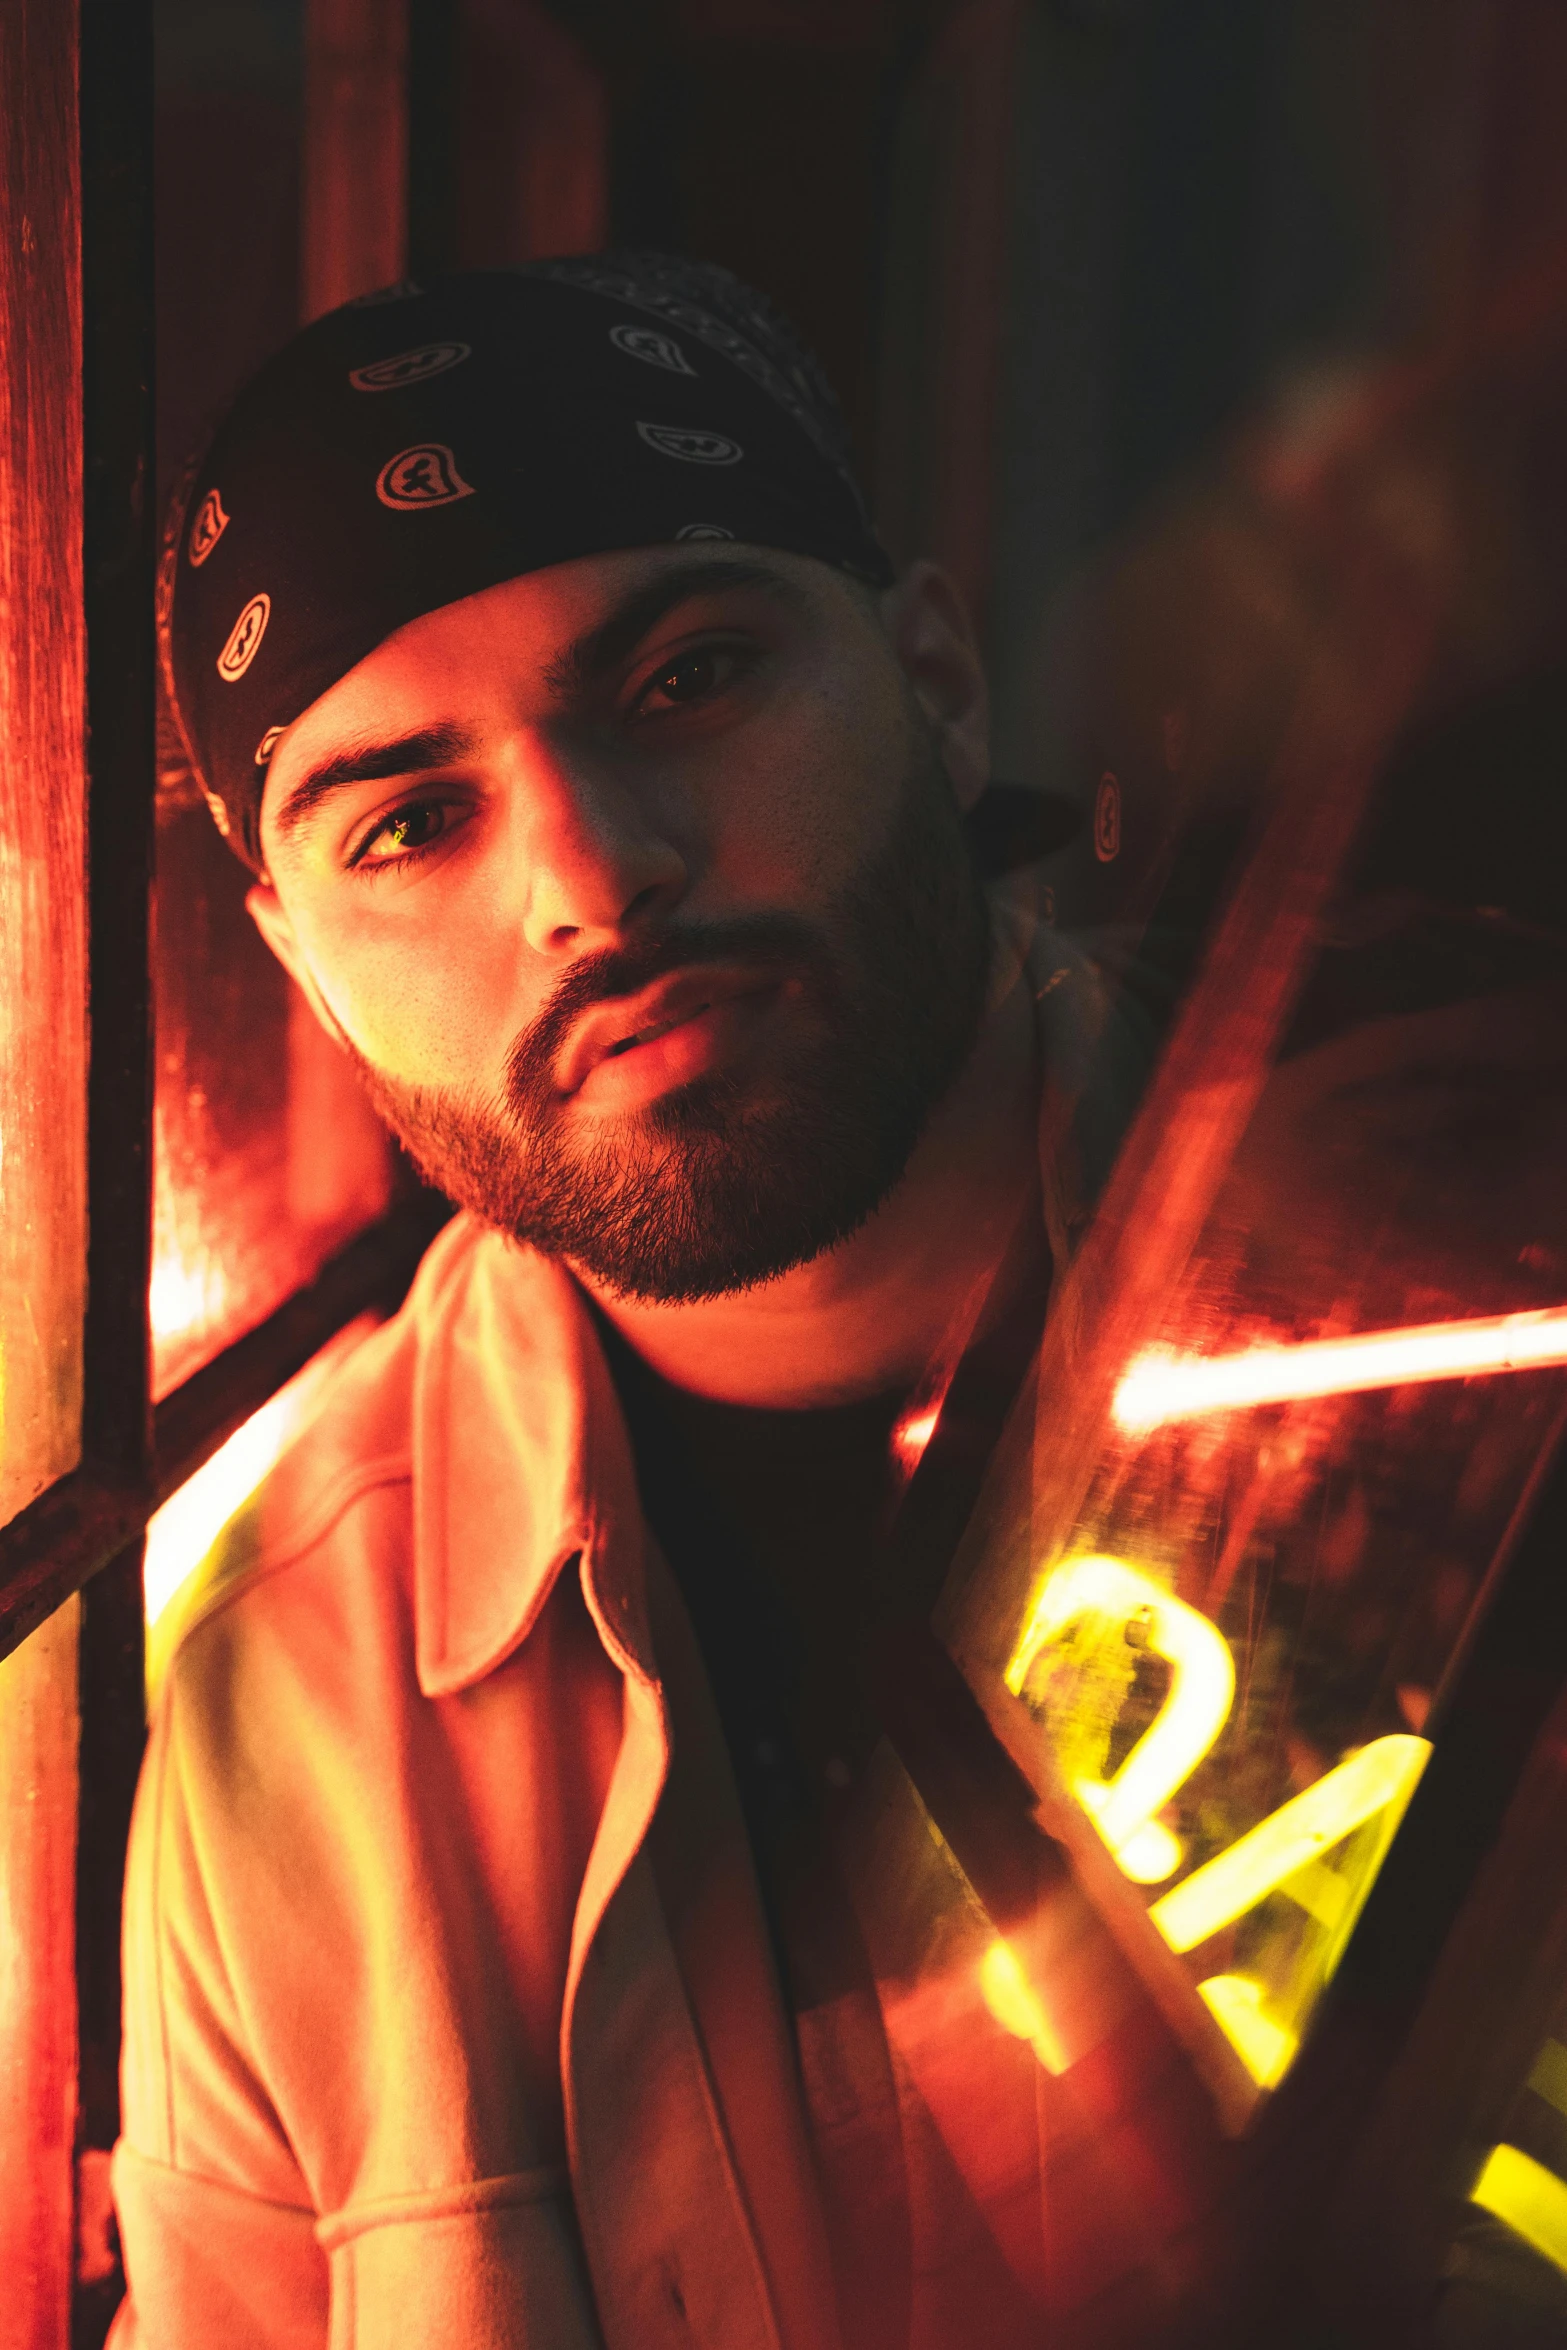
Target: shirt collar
<point x="520" y="1458"/>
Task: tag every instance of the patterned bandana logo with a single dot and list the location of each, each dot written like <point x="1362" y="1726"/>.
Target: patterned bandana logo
<point x="659" y="350"/>
<point x="245" y="639"/>
<point x="425" y="475"/>
<point x="210" y="524"/>
<point x="692" y="446"/>
<point x="409" y="367"/>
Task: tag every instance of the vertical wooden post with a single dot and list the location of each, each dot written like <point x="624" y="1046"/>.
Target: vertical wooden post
<point x="355" y="221"/>
<point x="42" y="793"/>
<point x="42" y="1171"/>
<point x="37" y="1994"/>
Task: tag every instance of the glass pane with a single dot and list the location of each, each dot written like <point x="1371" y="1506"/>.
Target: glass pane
<point x="43" y="1027"/>
<point x="265" y="1157"/>
<point x="1248" y="1528"/>
<point x="37" y="1978"/>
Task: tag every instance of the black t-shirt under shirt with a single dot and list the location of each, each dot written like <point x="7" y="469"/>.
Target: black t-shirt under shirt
<point x="770" y="1522"/>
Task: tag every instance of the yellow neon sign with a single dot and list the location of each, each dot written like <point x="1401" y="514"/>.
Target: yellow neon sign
<point x="1103" y="1599"/>
<point x="1530" y="2199"/>
<point x="1202" y="1686"/>
<point x="1380" y="1778"/>
<point x="1265" y="2048"/>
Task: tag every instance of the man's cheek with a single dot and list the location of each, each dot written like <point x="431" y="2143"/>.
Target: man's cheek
<point x="801" y="834"/>
<point x="427" y="1020"/>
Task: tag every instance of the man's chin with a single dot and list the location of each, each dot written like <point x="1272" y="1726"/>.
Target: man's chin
<point x="690" y="1224"/>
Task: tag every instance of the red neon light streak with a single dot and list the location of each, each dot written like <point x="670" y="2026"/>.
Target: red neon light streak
<point x="1160" y="1387"/>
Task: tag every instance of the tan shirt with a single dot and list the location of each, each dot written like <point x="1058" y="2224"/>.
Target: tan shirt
<point x="408" y="2053"/>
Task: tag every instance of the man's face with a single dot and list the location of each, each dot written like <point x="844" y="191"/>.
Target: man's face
<point x="638" y="890"/>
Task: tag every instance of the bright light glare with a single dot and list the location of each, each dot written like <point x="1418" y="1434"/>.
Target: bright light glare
<point x="1265" y="2048"/>
<point x="1529" y="2198"/>
<point x="182" y="1297"/>
<point x="180" y="1535"/>
<point x="1160" y="1387"/>
<point x="911" y="1436"/>
<point x="191" y="1520"/>
<point x="1381" y="1777"/>
<point x="1202" y="1685"/>
<point x="1015" y="2004"/>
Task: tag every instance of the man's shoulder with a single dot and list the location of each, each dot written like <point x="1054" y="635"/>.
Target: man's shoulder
<point x="328" y="1528"/>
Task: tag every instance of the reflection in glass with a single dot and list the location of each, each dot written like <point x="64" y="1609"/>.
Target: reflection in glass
<point x="266" y="1156"/>
<point x="1232" y="1635"/>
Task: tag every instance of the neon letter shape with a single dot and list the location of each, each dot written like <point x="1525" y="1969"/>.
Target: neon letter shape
<point x="1529" y="2198"/>
<point x="1380" y="1778"/>
<point x="1202" y="1685"/>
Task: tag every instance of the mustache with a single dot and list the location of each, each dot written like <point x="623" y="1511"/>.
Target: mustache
<point x="774" y="943"/>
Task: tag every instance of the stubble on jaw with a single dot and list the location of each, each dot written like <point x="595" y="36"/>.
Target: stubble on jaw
<point x="736" y="1178"/>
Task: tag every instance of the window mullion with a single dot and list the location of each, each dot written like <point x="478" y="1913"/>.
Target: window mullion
<point x="120" y="537"/>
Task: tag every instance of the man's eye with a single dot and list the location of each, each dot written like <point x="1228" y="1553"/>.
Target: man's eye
<point x="407" y="830"/>
<point x="687" y="679"/>
<point x="690" y="677"/>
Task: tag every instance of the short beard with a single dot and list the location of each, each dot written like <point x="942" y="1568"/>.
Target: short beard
<point x="733" y="1179"/>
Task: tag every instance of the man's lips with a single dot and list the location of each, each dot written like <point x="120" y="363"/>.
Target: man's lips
<point x="627" y="1023"/>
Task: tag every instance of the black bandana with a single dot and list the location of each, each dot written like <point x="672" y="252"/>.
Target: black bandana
<point x="422" y="444"/>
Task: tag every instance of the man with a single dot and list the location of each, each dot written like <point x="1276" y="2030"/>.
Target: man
<point x="499" y="1965"/>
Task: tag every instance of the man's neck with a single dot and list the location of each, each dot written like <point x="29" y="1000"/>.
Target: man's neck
<point x="867" y="1316"/>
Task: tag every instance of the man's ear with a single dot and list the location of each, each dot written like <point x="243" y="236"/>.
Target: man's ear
<point x="929" y="629"/>
<point x="267" y="911"/>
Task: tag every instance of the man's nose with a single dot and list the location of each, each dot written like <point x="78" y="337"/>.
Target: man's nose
<point x="596" y="854"/>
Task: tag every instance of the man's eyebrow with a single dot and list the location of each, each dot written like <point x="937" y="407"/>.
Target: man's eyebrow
<point x="601" y="649"/>
<point x="408" y="754"/>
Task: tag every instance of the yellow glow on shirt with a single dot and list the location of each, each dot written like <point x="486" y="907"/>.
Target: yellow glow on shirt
<point x="180" y="1534"/>
<point x="1265" y="2048"/>
<point x="1380" y="1778"/>
<point x="1202" y="1686"/>
<point x="1162" y="1386"/>
<point x="190" y="1521"/>
<point x="1529" y="2198"/>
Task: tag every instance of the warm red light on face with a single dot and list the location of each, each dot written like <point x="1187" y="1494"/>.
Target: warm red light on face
<point x="1161" y="1387"/>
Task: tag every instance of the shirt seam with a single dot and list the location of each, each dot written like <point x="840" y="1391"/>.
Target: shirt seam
<point x="467" y="2199"/>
